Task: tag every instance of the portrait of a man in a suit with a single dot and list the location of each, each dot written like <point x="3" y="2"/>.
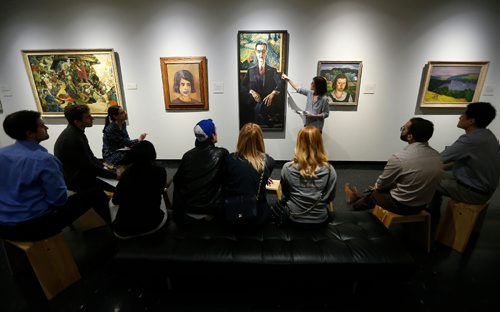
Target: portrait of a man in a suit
<point x="262" y="99"/>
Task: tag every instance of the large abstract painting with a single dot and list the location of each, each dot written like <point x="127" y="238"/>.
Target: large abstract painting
<point x="452" y="84"/>
<point x="262" y="58"/>
<point x="64" y="77"/>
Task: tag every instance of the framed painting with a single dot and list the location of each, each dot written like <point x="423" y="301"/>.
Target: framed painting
<point x="262" y="58"/>
<point x="64" y="77"/>
<point x="343" y="81"/>
<point x="452" y="84"/>
<point x="185" y="85"/>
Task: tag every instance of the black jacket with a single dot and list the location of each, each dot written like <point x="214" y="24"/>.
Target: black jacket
<point x="139" y="194"/>
<point x="80" y="166"/>
<point x="198" y="181"/>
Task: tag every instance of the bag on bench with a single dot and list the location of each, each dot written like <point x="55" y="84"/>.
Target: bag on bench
<point x="240" y="208"/>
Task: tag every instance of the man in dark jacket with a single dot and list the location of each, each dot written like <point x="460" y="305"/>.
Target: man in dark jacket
<point x="80" y="167"/>
<point x="198" y="181"/>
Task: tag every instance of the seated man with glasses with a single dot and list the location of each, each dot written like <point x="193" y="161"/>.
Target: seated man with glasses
<point x="472" y="161"/>
<point x="410" y="176"/>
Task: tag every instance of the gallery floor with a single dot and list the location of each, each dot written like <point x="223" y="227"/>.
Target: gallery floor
<point x="445" y="280"/>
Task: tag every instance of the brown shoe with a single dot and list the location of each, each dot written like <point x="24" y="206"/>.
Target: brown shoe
<point x="351" y="192"/>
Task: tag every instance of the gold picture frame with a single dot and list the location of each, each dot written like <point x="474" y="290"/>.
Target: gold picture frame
<point x="348" y="72"/>
<point x="63" y="77"/>
<point x="185" y="84"/>
<point x="452" y="84"/>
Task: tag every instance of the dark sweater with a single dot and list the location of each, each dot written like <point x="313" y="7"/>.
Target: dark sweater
<point x="139" y="194"/>
<point x="80" y="166"/>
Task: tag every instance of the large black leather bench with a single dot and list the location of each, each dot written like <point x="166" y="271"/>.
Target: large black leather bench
<point x="354" y="247"/>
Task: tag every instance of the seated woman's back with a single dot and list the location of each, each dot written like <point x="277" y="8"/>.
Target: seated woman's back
<point x="308" y="181"/>
<point x="248" y="169"/>
<point x="243" y="178"/>
<point x="139" y="195"/>
<point x="308" y="197"/>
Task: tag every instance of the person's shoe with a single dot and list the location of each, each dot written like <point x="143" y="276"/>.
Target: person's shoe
<point x="351" y="192"/>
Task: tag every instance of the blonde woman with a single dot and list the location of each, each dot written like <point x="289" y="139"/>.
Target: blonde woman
<point x="308" y="181"/>
<point x="248" y="170"/>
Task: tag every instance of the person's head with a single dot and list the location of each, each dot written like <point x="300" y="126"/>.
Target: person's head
<point x="340" y="82"/>
<point x="309" y="151"/>
<point x="251" y="145"/>
<point x="261" y="51"/>
<point x="78" y="116"/>
<point x="25" y="125"/>
<point x="142" y="153"/>
<point x="318" y="85"/>
<point x="205" y="130"/>
<point x="417" y="130"/>
<point x="478" y="115"/>
<point x="115" y="114"/>
<point x="184" y="82"/>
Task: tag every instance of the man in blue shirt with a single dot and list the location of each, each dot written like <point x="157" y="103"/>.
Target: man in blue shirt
<point x="33" y="197"/>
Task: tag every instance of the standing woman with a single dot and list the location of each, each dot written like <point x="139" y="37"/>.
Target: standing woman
<point x="317" y="101"/>
<point x="248" y="170"/>
<point x="308" y="181"/>
<point x="116" y="136"/>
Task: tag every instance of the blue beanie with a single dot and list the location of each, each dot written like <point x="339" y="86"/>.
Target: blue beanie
<point x="204" y="129"/>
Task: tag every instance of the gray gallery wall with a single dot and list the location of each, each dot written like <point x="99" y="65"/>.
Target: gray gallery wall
<point x="394" y="40"/>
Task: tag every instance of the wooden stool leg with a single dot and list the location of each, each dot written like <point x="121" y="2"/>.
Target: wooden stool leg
<point x="480" y="219"/>
<point x="90" y="220"/>
<point x="388" y="218"/>
<point x="427" y="232"/>
<point x="275" y="186"/>
<point x="457" y="224"/>
<point x="52" y="262"/>
<point x="279" y="193"/>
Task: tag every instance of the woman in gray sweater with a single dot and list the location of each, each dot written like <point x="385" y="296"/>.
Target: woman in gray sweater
<point x="308" y="181"/>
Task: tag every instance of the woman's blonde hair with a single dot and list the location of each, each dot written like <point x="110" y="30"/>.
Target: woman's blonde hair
<point x="251" y="146"/>
<point x="309" y="151"/>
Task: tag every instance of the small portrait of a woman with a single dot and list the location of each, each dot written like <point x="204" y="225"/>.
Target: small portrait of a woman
<point x="184" y="86"/>
<point x="339" y="93"/>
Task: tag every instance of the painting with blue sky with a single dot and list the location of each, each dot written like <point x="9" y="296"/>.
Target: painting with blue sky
<point x="453" y="84"/>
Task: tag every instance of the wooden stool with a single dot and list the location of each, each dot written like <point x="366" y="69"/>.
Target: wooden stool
<point x="90" y="220"/>
<point x="388" y="219"/>
<point x="458" y="222"/>
<point x="52" y="262"/>
<point x="275" y="186"/>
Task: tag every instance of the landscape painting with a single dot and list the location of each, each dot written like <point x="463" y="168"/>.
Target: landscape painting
<point x="452" y="84"/>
